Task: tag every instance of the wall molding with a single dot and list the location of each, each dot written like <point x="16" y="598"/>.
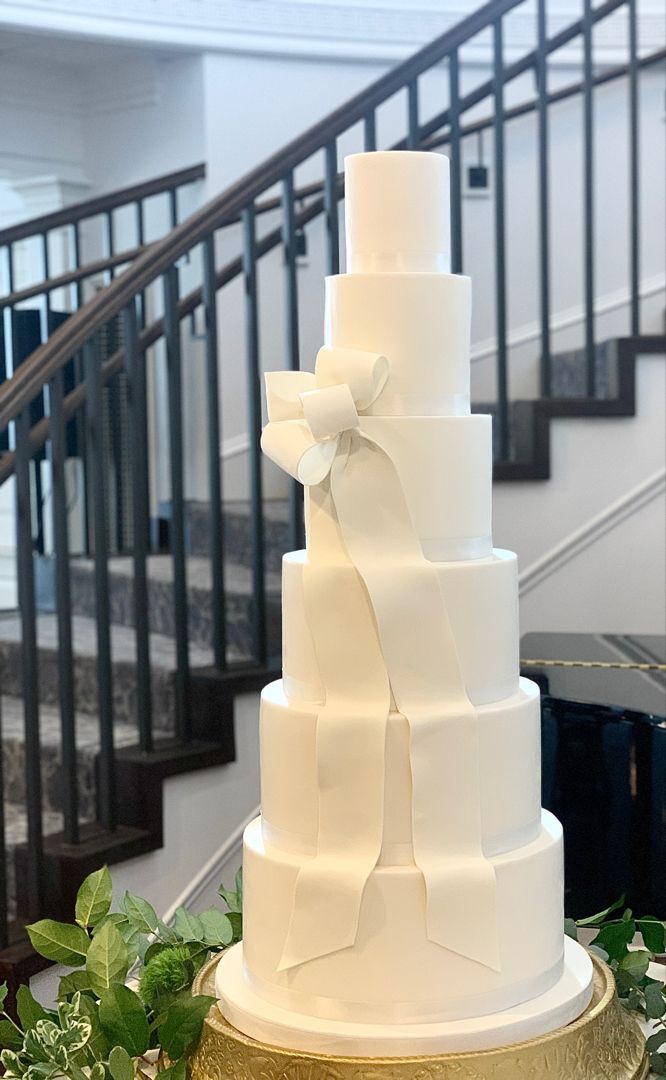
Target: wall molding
<point x="214" y="870"/>
<point x="352" y="29"/>
<point x="592" y="531"/>
<point x="570" y="317"/>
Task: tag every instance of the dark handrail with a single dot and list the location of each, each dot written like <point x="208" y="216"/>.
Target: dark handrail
<point x="101" y="204"/>
<point x="152" y="333"/>
<point x="72" y="335"/>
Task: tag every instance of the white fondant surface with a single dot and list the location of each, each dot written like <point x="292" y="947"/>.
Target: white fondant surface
<point x="559" y="1005"/>
<point x="445" y="467"/>
<point x="509" y="742"/>
<point x="435" y="983"/>
<point x="421" y="323"/>
<point x="482" y="601"/>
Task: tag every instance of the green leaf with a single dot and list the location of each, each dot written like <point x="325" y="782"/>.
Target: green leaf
<point x="236" y="920"/>
<point x="98" y="1072"/>
<point x="655" y="1002"/>
<point x="654" y="934"/>
<point x="140" y="913"/>
<point x="571" y="929"/>
<point x="60" y="942"/>
<point x="658" y="1064"/>
<point x="216" y="927"/>
<point x="72" y="983"/>
<point x="121" y="1065"/>
<point x="597" y="920"/>
<point x="596" y="950"/>
<point x="614" y="938"/>
<point x="188" y="926"/>
<point x="4" y="990"/>
<point x="636" y="963"/>
<point x="123" y="1019"/>
<point x="29" y="1011"/>
<point x="656" y="1040"/>
<point x="93" y="899"/>
<point x="98" y="1042"/>
<point x="183" y="1023"/>
<point x="10" y="1037"/>
<point x="107" y="958"/>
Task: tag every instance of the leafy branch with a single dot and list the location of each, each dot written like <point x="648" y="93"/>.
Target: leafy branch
<point x="103" y="1028"/>
<point x="637" y="991"/>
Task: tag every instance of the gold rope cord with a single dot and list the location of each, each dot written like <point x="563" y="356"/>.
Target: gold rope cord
<point x="593" y="664"/>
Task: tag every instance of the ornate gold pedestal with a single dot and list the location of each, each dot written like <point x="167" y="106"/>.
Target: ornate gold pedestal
<point x="604" y="1044"/>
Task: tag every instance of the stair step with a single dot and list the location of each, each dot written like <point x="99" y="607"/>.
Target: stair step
<point x="238" y="588"/>
<point x="237" y="533"/>
<point x="87" y="743"/>
<point x="123" y="652"/>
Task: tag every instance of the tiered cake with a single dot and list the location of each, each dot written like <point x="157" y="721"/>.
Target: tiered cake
<point x="403" y="887"/>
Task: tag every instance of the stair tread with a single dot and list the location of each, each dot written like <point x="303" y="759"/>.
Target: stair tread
<point x="237" y="578"/>
<point x="84" y="640"/>
<point x="87" y="726"/>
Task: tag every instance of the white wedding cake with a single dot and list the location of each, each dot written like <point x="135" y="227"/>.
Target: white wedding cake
<point x="403" y="887"/>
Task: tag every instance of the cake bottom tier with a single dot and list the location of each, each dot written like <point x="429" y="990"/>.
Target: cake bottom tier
<point x="387" y="1044"/>
<point x="393" y="973"/>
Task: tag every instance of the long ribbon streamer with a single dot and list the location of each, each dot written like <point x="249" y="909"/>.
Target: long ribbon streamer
<point x="380" y="625"/>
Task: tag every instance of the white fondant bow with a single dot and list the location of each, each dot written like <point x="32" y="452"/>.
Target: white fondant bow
<point x="392" y="630"/>
<point x="308" y="412"/>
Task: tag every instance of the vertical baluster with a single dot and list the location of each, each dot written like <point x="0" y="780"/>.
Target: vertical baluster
<point x="29" y="666"/>
<point x="135" y="362"/>
<point x="412" y="115"/>
<point x="634" y="190"/>
<point x="63" y="611"/>
<point x="173" y="207"/>
<point x="543" y="181"/>
<point x="76" y="234"/>
<point x="292" y="342"/>
<point x="4" y="913"/>
<point x="97" y="480"/>
<point x="588" y="185"/>
<point x="331" y="207"/>
<point x="110" y="243"/>
<point x="456" y="166"/>
<point x="370" y="131"/>
<point x="218" y="597"/>
<point x="46" y="269"/>
<point x="254" y="427"/>
<point x="177" y="524"/>
<point x="140" y="240"/>
<point x="500" y="242"/>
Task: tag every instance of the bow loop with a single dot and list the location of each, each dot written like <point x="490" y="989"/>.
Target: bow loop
<point x="308" y="412"/>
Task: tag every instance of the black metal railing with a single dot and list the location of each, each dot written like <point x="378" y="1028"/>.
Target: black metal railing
<point x="175" y="284"/>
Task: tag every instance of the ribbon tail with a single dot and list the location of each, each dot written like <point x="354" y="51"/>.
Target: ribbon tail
<point x="424" y="672"/>
<point x="350" y="748"/>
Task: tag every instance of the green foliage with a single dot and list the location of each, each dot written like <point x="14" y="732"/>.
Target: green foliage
<point x="60" y="942"/>
<point x="637" y="991"/>
<point x="166" y="974"/>
<point x="102" y="1029"/>
<point x="94" y="898"/>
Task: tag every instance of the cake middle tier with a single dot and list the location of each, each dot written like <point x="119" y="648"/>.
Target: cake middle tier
<point x="481" y="597"/>
<point x="509" y="762"/>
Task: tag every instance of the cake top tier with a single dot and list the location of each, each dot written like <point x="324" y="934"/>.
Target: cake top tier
<point x="397" y="212"/>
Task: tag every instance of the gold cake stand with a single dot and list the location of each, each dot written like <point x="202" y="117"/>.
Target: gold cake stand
<point x="605" y="1043"/>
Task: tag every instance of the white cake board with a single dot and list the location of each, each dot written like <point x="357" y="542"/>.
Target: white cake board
<point x="267" y="1023"/>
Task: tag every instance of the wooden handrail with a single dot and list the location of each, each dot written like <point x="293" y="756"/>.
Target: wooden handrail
<point x="50" y="357"/>
<point x="101" y="204"/>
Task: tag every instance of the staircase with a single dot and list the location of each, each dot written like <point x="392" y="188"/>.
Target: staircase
<point x="123" y="669"/>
